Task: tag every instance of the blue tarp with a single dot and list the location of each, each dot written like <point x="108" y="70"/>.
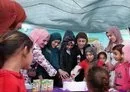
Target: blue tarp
<point x="78" y="15"/>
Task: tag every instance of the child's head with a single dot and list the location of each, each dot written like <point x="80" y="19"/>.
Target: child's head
<point x="81" y="40"/>
<point x="55" y="40"/>
<point x="126" y="51"/>
<point x="97" y="80"/>
<point x="117" y="52"/>
<point x="102" y="56"/>
<point x="15" y="44"/>
<point x="11" y="15"/>
<point x="91" y="54"/>
<point x="40" y="37"/>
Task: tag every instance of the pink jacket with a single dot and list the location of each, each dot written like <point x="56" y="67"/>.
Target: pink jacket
<point x="122" y="80"/>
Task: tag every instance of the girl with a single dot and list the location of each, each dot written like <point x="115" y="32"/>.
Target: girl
<point x="121" y="69"/>
<point x="97" y="80"/>
<point x="89" y="62"/>
<point x="79" y="52"/>
<point x="102" y="57"/>
<point x="66" y="52"/>
<point x="15" y="54"/>
<point x="12" y="15"/>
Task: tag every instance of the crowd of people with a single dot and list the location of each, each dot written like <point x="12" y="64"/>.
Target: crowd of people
<point x="42" y="55"/>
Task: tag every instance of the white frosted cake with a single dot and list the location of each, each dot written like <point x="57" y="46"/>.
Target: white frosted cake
<point x="74" y="86"/>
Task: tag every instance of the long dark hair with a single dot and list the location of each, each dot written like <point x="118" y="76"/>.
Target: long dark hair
<point x="12" y="41"/>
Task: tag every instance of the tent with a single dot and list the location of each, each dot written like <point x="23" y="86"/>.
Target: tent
<point x="78" y="15"/>
<point x="90" y="16"/>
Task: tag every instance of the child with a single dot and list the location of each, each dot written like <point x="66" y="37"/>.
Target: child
<point x="102" y="57"/>
<point x="97" y="80"/>
<point x="11" y="15"/>
<point x="89" y="62"/>
<point x="121" y="69"/>
<point x="15" y="54"/>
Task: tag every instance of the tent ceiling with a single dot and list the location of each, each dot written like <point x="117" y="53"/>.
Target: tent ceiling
<point x="78" y="15"/>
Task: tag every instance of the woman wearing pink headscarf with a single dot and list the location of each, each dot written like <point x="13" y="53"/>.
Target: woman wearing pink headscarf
<point x="40" y="38"/>
<point x="11" y="15"/>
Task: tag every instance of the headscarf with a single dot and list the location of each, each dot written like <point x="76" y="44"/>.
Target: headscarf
<point x="92" y="50"/>
<point x="68" y="37"/>
<point x="54" y="36"/>
<point x="119" y="40"/>
<point x="11" y="14"/>
<point x="37" y="34"/>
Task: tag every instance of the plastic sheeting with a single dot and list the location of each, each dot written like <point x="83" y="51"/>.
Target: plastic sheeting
<point x="78" y="15"/>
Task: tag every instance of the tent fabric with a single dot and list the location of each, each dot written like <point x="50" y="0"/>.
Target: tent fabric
<point x="78" y="15"/>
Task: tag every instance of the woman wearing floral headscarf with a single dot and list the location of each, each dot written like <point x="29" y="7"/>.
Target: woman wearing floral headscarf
<point x="11" y="15"/>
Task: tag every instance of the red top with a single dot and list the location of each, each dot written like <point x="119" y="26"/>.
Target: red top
<point x="100" y="63"/>
<point x="11" y="14"/>
<point x="84" y="64"/>
<point x="11" y="81"/>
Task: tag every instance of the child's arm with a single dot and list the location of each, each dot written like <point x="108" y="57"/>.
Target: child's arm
<point x="75" y="71"/>
<point x="41" y="60"/>
<point x="81" y="65"/>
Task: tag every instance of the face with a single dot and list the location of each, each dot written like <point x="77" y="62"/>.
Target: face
<point x="102" y="58"/>
<point x="111" y="37"/>
<point x="55" y="43"/>
<point x="70" y="45"/>
<point x="27" y="59"/>
<point x="117" y="55"/>
<point x="81" y="42"/>
<point x="43" y="41"/>
<point x="89" y="56"/>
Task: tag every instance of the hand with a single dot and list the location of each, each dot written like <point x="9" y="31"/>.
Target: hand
<point x="75" y="71"/>
<point x="63" y="74"/>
